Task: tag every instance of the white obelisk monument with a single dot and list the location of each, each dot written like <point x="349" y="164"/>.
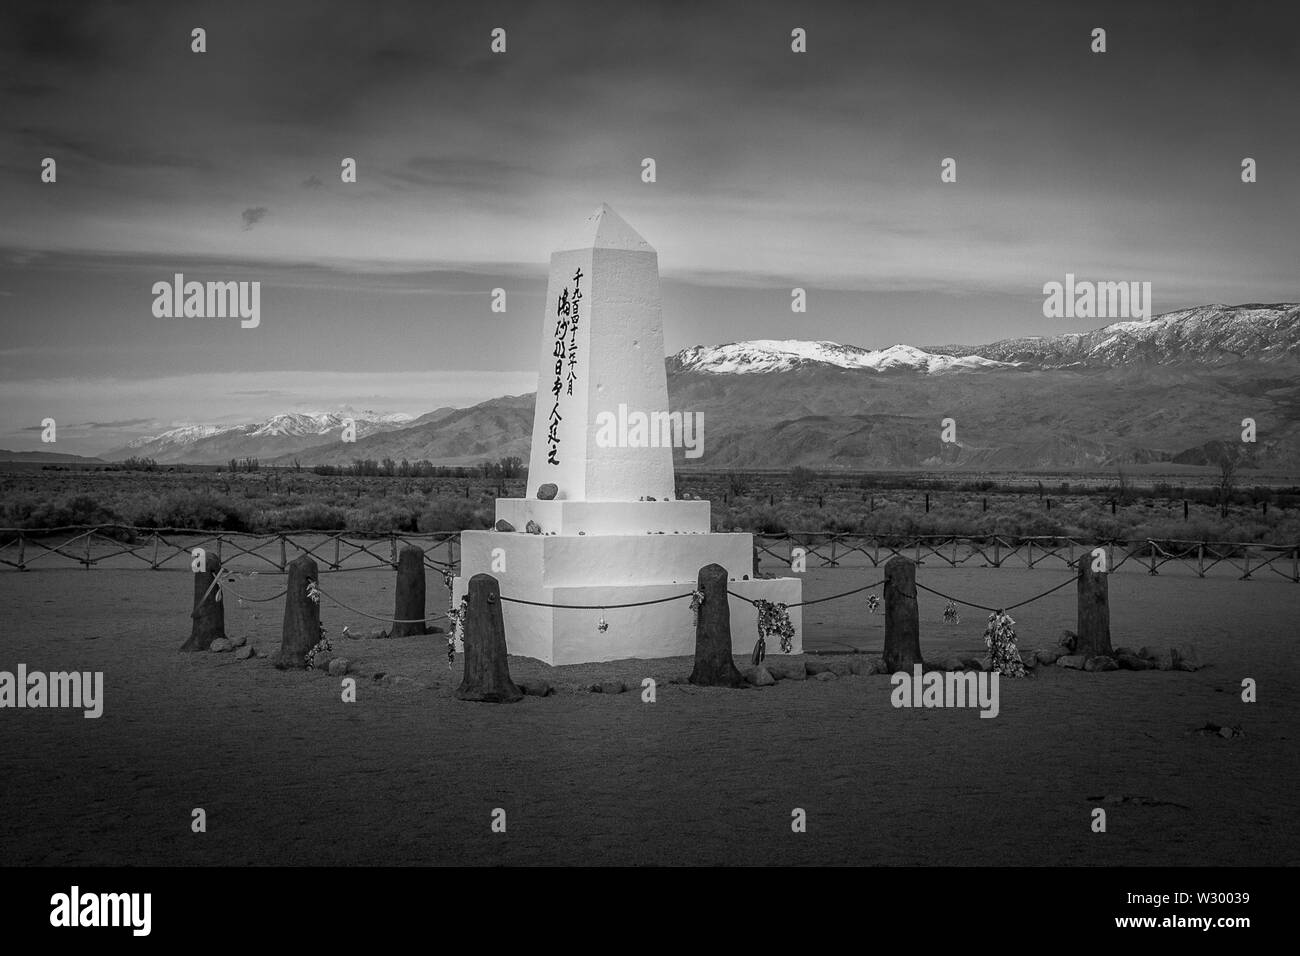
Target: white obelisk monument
<point x="612" y="534"/>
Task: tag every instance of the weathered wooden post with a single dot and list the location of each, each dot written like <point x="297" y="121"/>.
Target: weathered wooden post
<point x="487" y="669"/>
<point x="409" y="604"/>
<point x="714" y="666"/>
<point x="209" y="615"/>
<point x="902" y="616"/>
<point x="1094" y="612"/>
<point x="301" y="630"/>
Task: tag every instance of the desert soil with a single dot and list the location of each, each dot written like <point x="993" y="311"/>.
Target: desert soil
<point x="289" y="774"/>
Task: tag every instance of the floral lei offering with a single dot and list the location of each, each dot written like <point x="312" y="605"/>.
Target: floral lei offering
<point x="950" y="614"/>
<point x="873" y="603"/>
<point x="1000" y="639"/>
<point x="774" y="618"/>
<point x="322" y="646"/>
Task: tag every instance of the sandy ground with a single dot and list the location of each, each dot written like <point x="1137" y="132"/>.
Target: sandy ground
<point x="288" y="773"/>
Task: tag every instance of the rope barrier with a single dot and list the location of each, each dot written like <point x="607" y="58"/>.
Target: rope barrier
<point x="596" y="607"/>
<point x="833" y="597"/>
<point x="373" y="617"/>
<point x="983" y="607"/>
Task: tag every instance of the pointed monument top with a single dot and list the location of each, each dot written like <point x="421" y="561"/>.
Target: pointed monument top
<point x="606" y="229"/>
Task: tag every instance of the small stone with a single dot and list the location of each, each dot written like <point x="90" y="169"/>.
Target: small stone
<point x="1225" y="732"/>
<point x="863" y="666"/>
<point x="321" y="663"/>
<point x="245" y="652"/>
<point x="1029" y="659"/>
<point x="338" y="667"/>
<point x="786" y="669"/>
<point x="1101" y="663"/>
<point x="761" y="677"/>
<point x="504" y="525"/>
<point x="547" y="491"/>
<point x="219" y="646"/>
<point x="1132" y="662"/>
<point x="536" y="688"/>
<point x="1049" y="655"/>
<point x="1184" y="657"/>
<point x="533" y="527"/>
<point x="376" y="635"/>
<point x="953" y="664"/>
<point x="650" y="498"/>
<point x="825" y="675"/>
<point x="814" y="666"/>
<point x="1121" y="651"/>
<point x="975" y="664"/>
<point x="1150" y="653"/>
<point x="1071" y="660"/>
<point x="239" y="640"/>
<point x="1164" y="660"/>
<point x="612" y="687"/>
<point x="1068" y="640"/>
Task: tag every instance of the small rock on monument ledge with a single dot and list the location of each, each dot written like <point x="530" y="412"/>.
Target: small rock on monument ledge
<point x="504" y="525"/>
<point x="533" y="528"/>
<point x="547" y="491"/>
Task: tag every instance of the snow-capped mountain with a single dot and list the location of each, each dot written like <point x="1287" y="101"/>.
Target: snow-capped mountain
<point x="772" y="355"/>
<point x="279" y="435"/>
<point x="1206" y="335"/>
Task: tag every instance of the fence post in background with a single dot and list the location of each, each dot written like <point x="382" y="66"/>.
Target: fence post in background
<point x="902" y="617"/>
<point x="283" y="562"/>
<point x="1184" y="509"/>
<point x="1200" y="560"/>
<point x="997" y="552"/>
<point x="220" y="541"/>
<point x="1029" y="554"/>
<point x="335" y="565"/>
<point x="409" y="604"/>
<point x="86" y="559"/>
<point x="208" y="619"/>
<point x="1245" y="548"/>
<point x="487" y="669"/>
<point x="392" y="547"/>
<point x="1151" y="557"/>
<point x="22" y="552"/>
<point x="1094" y="612"/>
<point x="1295" y="564"/>
<point x="301" y="629"/>
<point x="714" y="666"/>
<point x="153" y="565"/>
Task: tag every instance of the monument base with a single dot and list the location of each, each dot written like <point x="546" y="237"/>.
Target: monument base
<point x="604" y="570"/>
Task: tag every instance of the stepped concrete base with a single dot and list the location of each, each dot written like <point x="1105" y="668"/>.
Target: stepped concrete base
<point x="602" y="570"/>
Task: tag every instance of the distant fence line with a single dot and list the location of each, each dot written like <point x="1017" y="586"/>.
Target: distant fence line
<point x="169" y="549"/>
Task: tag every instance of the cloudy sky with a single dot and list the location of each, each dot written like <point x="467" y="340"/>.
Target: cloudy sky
<point x="775" y="170"/>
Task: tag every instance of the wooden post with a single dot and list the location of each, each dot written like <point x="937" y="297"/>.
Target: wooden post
<point x="86" y="560"/>
<point x="1029" y="554"/>
<point x="301" y="629"/>
<point x="282" y="555"/>
<point x="1184" y="509"/>
<point x="153" y="565"/>
<point x="997" y="552"/>
<point x="1151" y="557"/>
<point x="927" y="502"/>
<point x="409" y="602"/>
<point x="220" y="540"/>
<point x="714" y="666"/>
<point x="1200" y="560"/>
<point x="487" y="669"/>
<point x="902" y="617"/>
<point x="986" y="504"/>
<point x="335" y="565"/>
<point x="22" y="552"/>
<point x="1245" y="548"/>
<point x="392" y="548"/>
<point x="1094" y="612"/>
<point x="208" y="619"/>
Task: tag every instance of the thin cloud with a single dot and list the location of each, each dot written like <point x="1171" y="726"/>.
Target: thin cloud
<point x="253" y="216"/>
